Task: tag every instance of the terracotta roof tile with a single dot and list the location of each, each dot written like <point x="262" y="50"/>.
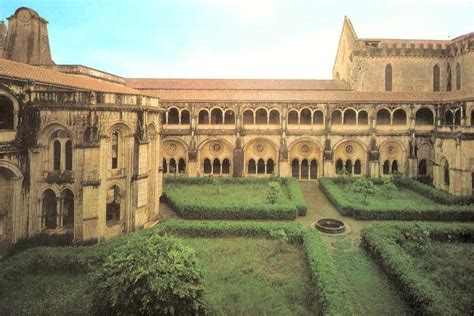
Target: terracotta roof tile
<point x="12" y="69"/>
<point x="235" y="84"/>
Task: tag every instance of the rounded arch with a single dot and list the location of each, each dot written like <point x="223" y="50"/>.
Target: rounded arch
<point x="122" y="127"/>
<point x="349" y="116"/>
<point x="317" y="146"/>
<point x="173" y="115"/>
<point x="336" y="116"/>
<point x="203" y="116"/>
<point x="393" y="154"/>
<point x="293" y="117"/>
<point x="248" y="116"/>
<point x="424" y="116"/>
<point x="399" y="117"/>
<point x="217" y="116"/>
<point x="185" y="116"/>
<point x="261" y="116"/>
<point x="47" y="132"/>
<point x="318" y="117"/>
<point x="274" y="116"/>
<point x="12" y="169"/>
<point x="362" y="117"/>
<point x="229" y="116"/>
<point x="436" y="77"/>
<point x="305" y="116"/>
<point x="347" y="151"/>
<point x="9" y="107"/>
<point x="383" y="117"/>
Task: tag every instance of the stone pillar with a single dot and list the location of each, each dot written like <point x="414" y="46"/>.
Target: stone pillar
<point x="374" y="169"/>
<point x="412" y="168"/>
<point x="193" y="164"/>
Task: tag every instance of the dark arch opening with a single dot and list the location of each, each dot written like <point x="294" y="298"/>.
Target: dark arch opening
<point x="357" y="167"/>
<point x="252" y="168"/>
<point x="165" y="166"/>
<point x="336" y="117"/>
<point x="388" y="77"/>
<point x="68" y="155"/>
<point x="7" y="116"/>
<point x="422" y="168"/>
<point x="270" y="166"/>
<point x="349" y="166"/>
<point x="399" y="117"/>
<point x="305" y="116"/>
<point x="448" y="78"/>
<point x="207" y="166"/>
<point x="457" y="117"/>
<point x="313" y="169"/>
<point x="112" y="212"/>
<point x="436" y="75"/>
<point x="350" y="117"/>
<point x="181" y="166"/>
<point x="295" y="169"/>
<point x="274" y="117"/>
<point x="216" y="166"/>
<point x="185" y="117"/>
<point x="216" y="116"/>
<point x="172" y="165"/>
<point x="394" y="167"/>
<point x="57" y="155"/>
<point x="261" y="166"/>
<point x="173" y="116"/>
<point x="304" y="169"/>
<point x="339" y="166"/>
<point x="115" y="150"/>
<point x="68" y="209"/>
<point x="229" y="117"/>
<point x="424" y="116"/>
<point x="458" y="76"/>
<point x="203" y="117"/>
<point x="386" y="167"/>
<point x="446" y="173"/>
<point x="50" y="209"/>
<point x="318" y="117"/>
<point x="248" y="117"/>
<point x="363" y="118"/>
<point x="261" y="116"/>
<point x="225" y="166"/>
<point x="383" y="117"/>
<point x="293" y="117"/>
<point x="448" y="118"/>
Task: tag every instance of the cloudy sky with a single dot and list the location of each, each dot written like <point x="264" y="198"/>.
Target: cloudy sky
<point x="231" y="38"/>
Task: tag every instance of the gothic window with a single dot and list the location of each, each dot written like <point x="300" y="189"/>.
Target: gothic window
<point x="446" y="173"/>
<point x="165" y="166"/>
<point x="115" y="150"/>
<point x="112" y="212"/>
<point x="251" y="168"/>
<point x="293" y="117"/>
<point x="422" y="170"/>
<point x="350" y="117"/>
<point x="172" y="166"/>
<point x="207" y="166"/>
<point x="383" y="117"/>
<point x="339" y="166"/>
<point x="7" y="116"/>
<point x="181" y="166"/>
<point x="424" y="116"/>
<point x="49" y="206"/>
<point x="68" y="155"/>
<point x="458" y="76"/>
<point x="436" y="75"/>
<point x="349" y="166"/>
<point x="216" y="116"/>
<point x="185" y="117"/>
<point x="261" y="166"/>
<point x="357" y="167"/>
<point x="304" y="169"/>
<point x="295" y="169"/>
<point x="248" y="117"/>
<point x="216" y="166"/>
<point x="203" y="117"/>
<point x="68" y="209"/>
<point x="56" y="155"/>
<point x="363" y="118"/>
<point x="225" y="166"/>
<point x="305" y="116"/>
<point x="261" y="116"/>
<point x="457" y="117"/>
<point x="388" y="77"/>
<point x="173" y="116"/>
<point x="472" y="118"/>
<point x="313" y="169"/>
<point x="448" y="78"/>
<point x="386" y="167"/>
<point x="394" y="167"/>
<point x="229" y="117"/>
<point x="448" y="118"/>
<point x="270" y="166"/>
<point x="274" y="117"/>
<point x="336" y="117"/>
<point x="318" y="117"/>
<point x="399" y="117"/>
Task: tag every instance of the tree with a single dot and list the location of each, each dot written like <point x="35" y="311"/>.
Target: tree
<point x="149" y="276"/>
<point x="274" y="193"/>
<point x="344" y="176"/>
<point x="388" y="187"/>
<point x="364" y="186"/>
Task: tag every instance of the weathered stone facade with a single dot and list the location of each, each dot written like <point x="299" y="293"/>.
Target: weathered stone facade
<point x="84" y="151"/>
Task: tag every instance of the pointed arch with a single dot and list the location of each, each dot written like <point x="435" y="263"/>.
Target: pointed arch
<point x="436" y="77"/>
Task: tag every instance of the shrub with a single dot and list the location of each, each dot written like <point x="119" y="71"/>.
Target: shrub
<point x="149" y="276"/>
<point x="40" y="240"/>
<point x="388" y="187"/>
<point x="365" y="187"/>
<point x="296" y="196"/>
<point x="416" y="239"/>
<point x="274" y="192"/>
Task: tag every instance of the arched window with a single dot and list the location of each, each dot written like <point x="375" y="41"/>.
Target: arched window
<point x="458" y="76"/>
<point x="318" y="117"/>
<point x="339" y="166"/>
<point x="172" y="166"/>
<point x="349" y="117"/>
<point x="293" y="117"/>
<point x="225" y="166"/>
<point x="112" y="213"/>
<point x="68" y="209"/>
<point x="349" y="166"/>
<point x="216" y="116"/>
<point x="305" y="116"/>
<point x="304" y="169"/>
<point x="68" y="155"/>
<point x="50" y="214"/>
<point x="394" y="167"/>
<point x="7" y="116"/>
<point x="115" y="150"/>
<point x="357" y="167"/>
<point x="313" y="169"/>
<point x="165" y="166"/>
<point x="472" y="118"/>
<point x="383" y="117"/>
<point x="422" y="170"/>
<point x="424" y="116"/>
<point x="173" y="116"/>
<point x="386" y="167"/>
<point x="229" y="117"/>
<point x="203" y="117"/>
<point x="270" y="166"/>
<point x="448" y="118"/>
<point x="181" y="166"/>
<point x="363" y="118"/>
<point x="216" y="166"/>
<point x="446" y="173"/>
<point x="399" y="117"/>
<point x="274" y="117"/>
<point x="56" y="155"/>
<point x="448" y="78"/>
<point x="436" y="75"/>
<point x="336" y="117"/>
<point x="251" y="168"/>
<point x="261" y="116"/>
<point x="261" y="166"/>
<point x="248" y="117"/>
<point x="295" y="169"/>
<point x="457" y="117"/>
<point x="185" y="117"/>
<point x="207" y="166"/>
<point x="388" y="77"/>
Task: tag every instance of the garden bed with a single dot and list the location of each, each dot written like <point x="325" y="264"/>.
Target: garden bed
<point x="402" y="204"/>
<point x="429" y="262"/>
<point x="233" y="198"/>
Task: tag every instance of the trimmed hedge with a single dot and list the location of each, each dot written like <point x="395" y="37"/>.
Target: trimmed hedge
<point x="356" y="210"/>
<point x="382" y="242"/>
<point x="191" y="208"/>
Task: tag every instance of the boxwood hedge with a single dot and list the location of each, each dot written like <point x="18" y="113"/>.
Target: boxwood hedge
<point x="382" y="241"/>
<point x="193" y="208"/>
<point x="385" y="211"/>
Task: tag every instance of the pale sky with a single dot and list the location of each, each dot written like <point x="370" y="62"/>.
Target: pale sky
<point x="280" y="39"/>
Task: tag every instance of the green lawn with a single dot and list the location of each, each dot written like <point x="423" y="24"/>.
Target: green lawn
<point x="450" y="266"/>
<point x="246" y="276"/>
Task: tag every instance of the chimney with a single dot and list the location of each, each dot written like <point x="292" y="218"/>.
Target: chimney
<point x="27" y="38"/>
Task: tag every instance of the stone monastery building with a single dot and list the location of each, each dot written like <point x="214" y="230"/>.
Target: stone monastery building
<point x="85" y="151"/>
